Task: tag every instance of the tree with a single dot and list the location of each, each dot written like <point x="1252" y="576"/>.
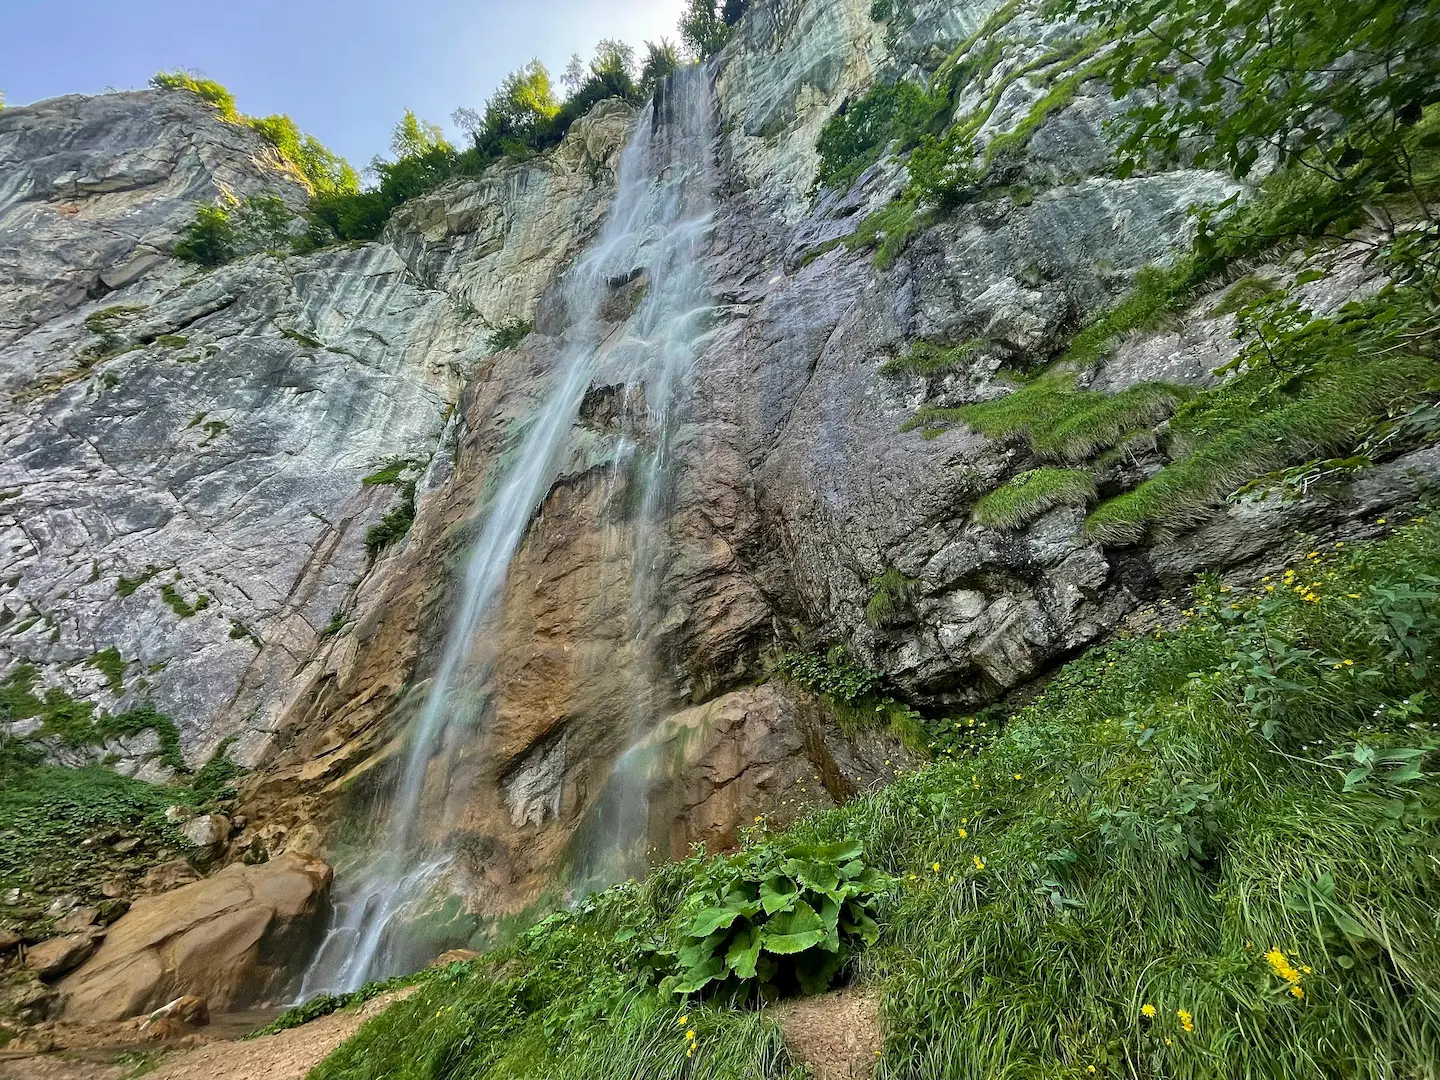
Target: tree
<point x="210" y="239"/>
<point x="703" y="28"/>
<point x="661" y="60"/>
<point x="613" y="59"/>
<point x="524" y="103"/>
<point x="575" y="75"/>
<point x="414" y="137"/>
<point x="1330" y="86"/>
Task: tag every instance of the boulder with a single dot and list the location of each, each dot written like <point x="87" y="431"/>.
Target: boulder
<point x="8" y="939"/>
<point x="230" y="938"/>
<point x="54" y="958"/>
<point x="176" y="1018"/>
<point x="208" y="833"/>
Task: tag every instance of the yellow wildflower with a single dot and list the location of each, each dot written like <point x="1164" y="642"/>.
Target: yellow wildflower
<point x="963" y="834"/>
<point x="935" y="868"/>
<point x="1269" y="588"/>
<point x="684" y="1020"/>
<point x="1187" y="1022"/>
<point x="1148" y="1011"/>
<point x="1380" y="522"/>
<point x="1298" y="992"/>
<point x="1017" y="776"/>
<point x="979" y="862"/>
<point x="1092" y="1069"/>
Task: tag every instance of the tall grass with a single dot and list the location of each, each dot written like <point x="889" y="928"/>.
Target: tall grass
<point x="1033" y="494"/>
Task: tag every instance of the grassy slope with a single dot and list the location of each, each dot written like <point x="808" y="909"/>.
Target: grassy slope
<point x="1165" y="815"/>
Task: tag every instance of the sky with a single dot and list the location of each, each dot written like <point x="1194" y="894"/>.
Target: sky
<point x="345" y="70"/>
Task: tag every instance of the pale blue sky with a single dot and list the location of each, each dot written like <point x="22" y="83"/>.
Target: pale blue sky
<point x="344" y="69"/>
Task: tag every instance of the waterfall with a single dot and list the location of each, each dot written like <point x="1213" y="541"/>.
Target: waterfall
<point x="657" y="226"/>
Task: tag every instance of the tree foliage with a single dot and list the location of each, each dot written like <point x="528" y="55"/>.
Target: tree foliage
<point x="322" y="171"/>
<point x="1330" y="86"/>
<point x="706" y="25"/>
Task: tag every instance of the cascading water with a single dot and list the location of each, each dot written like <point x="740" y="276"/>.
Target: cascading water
<point x="657" y="227"/>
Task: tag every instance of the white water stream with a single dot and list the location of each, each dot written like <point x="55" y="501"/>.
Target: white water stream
<point x="658" y="227"/>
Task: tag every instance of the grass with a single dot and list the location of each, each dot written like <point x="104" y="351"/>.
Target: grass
<point x="1058" y="421"/>
<point x="891" y="594"/>
<point x="1096" y="886"/>
<point x="1250" y="290"/>
<point x="1033" y="494"/>
<point x="112" y="665"/>
<point x="184" y="608"/>
<point x="927" y="359"/>
<point x="889" y="230"/>
<point x="1329" y="416"/>
<point x="130" y="586"/>
<point x="75" y="723"/>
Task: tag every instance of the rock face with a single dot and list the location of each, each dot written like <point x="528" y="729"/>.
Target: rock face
<point x="184" y="454"/>
<point x="230" y="939"/>
<point x="209" y="435"/>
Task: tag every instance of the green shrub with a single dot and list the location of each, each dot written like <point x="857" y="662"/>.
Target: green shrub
<point x="511" y="334"/>
<point x="391" y="529"/>
<point x="210" y="240"/>
<point x="1033" y="494"/>
<point x="830" y="674"/>
<point x="772" y="921"/>
<point x="207" y="90"/>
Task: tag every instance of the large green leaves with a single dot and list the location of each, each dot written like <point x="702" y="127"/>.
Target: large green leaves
<point x="770" y="922"/>
<point x="793" y="931"/>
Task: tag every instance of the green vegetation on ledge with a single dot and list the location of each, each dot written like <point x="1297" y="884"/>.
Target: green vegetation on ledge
<point x="1206" y="851"/>
<point x="1033" y="494"/>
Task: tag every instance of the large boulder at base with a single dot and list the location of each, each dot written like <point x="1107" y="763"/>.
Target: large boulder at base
<point x="230" y="938"/>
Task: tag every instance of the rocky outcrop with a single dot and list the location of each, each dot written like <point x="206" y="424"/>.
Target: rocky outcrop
<point x="231" y="939"/>
<point x="185" y="454"/>
<point x="94" y="190"/>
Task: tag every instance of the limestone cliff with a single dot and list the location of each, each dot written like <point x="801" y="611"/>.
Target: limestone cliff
<point x="171" y="436"/>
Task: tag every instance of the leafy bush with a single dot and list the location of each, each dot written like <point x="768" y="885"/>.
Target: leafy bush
<point x="769" y="922"/>
<point x="830" y="674"/>
<point x="209" y="240"/>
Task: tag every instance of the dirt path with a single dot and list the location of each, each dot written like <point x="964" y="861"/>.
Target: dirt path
<point x="286" y="1056"/>
<point x="837" y="1034"/>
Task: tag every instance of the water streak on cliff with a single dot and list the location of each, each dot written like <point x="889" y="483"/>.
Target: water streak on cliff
<point x="656" y="231"/>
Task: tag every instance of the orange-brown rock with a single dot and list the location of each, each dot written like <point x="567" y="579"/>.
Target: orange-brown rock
<point x="230" y="938"/>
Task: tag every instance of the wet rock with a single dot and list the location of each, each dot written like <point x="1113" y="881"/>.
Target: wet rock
<point x="229" y="939"/>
